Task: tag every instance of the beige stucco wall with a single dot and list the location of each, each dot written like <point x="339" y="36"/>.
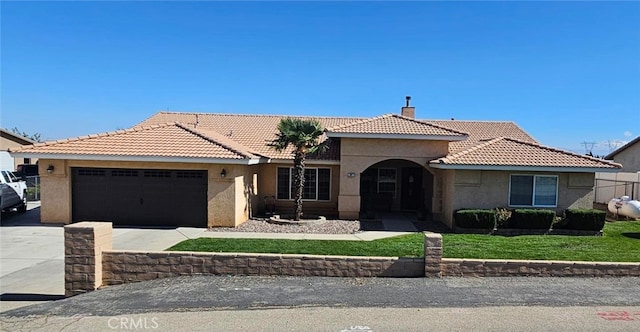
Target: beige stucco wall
<point x="357" y="154"/>
<point x="448" y="197"/>
<point x="267" y="182"/>
<point x="629" y="158"/>
<point x="55" y="192"/>
<point x="246" y="188"/>
<point x="228" y="203"/>
<point x="437" y="200"/>
<point x="490" y="189"/>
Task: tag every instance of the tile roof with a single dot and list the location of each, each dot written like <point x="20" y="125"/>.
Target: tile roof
<point x="161" y="140"/>
<point x="252" y="131"/>
<point x="503" y="151"/>
<point x="245" y="137"/>
<point x="393" y="124"/>
<point x="481" y="131"/>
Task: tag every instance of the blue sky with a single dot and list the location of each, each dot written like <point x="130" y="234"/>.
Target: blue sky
<point x="566" y="72"/>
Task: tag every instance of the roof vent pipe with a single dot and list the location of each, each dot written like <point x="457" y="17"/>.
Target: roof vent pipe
<point x="408" y="111"/>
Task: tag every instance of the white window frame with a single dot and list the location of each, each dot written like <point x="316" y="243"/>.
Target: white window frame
<point x="533" y="193"/>
<point x="291" y="169"/>
<point x="395" y="181"/>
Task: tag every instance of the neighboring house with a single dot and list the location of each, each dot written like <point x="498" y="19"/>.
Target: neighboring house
<point x="10" y="140"/>
<point x="627" y="181"/>
<point x="628" y="155"/>
<point x="211" y="170"/>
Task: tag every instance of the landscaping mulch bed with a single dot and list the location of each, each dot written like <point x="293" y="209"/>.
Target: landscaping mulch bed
<point x="327" y="227"/>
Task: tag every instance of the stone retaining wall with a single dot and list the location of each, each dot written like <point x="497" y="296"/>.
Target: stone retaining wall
<point x="83" y="246"/>
<point x="90" y="263"/>
<point x="452" y="267"/>
<point x="129" y="266"/>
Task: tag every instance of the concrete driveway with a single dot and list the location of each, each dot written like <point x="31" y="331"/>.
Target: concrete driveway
<point x="32" y="254"/>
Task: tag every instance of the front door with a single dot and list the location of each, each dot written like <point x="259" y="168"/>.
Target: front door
<point x="411" y="188"/>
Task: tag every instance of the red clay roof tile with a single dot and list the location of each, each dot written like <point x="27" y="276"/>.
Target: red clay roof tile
<point x="240" y="136"/>
<point x="393" y="124"/>
<point x="504" y="151"/>
<point x="165" y="140"/>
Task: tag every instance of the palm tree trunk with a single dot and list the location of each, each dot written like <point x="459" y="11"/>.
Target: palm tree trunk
<point x="298" y="183"/>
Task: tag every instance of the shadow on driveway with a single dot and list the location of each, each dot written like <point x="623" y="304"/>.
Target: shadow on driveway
<point x="21" y="297"/>
<point x="29" y="218"/>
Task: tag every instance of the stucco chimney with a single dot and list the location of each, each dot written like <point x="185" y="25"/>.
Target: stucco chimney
<point x="408" y="111"/>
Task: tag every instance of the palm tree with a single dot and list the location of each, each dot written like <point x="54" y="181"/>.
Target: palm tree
<point x="303" y="135"/>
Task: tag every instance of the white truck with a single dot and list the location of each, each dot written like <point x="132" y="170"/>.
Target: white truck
<point x="14" y="192"/>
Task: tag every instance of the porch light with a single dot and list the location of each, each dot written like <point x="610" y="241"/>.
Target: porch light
<point x="50" y="169"/>
<point x="351" y="175"/>
<point x="223" y="173"/>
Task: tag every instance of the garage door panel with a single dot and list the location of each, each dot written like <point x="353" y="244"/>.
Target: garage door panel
<point x="125" y="193"/>
<point x="140" y="197"/>
<point x="93" y="183"/>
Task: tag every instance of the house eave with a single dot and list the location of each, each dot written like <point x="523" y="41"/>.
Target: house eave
<point x="397" y="136"/>
<point x="93" y="157"/>
<point x="16" y="137"/>
<point x="612" y="155"/>
<point x="307" y="162"/>
<point x="563" y="169"/>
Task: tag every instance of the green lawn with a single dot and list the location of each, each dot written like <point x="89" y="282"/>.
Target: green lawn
<point x="620" y="243"/>
<point x="400" y="246"/>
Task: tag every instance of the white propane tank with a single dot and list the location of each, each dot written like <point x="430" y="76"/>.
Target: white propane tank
<point x="624" y="206"/>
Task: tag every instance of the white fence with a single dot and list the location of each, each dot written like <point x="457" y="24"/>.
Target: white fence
<point x="613" y="185"/>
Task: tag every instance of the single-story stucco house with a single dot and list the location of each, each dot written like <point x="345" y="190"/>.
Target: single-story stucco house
<point x="628" y="156"/>
<point x="11" y="140"/>
<point x="212" y="170"/>
<point x="623" y="183"/>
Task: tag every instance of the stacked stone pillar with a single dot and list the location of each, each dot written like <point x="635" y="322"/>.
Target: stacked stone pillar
<point x="432" y="255"/>
<point x="83" y="246"/>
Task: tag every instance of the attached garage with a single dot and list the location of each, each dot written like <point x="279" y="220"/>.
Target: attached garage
<point x="140" y="197"/>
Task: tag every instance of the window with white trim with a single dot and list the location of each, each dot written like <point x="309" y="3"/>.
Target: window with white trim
<point x="387" y="180"/>
<point x="533" y="190"/>
<point x="317" y="184"/>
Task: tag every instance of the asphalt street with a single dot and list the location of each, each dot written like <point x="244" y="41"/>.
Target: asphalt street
<point x="228" y="303"/>
<point x="220" y="292"/>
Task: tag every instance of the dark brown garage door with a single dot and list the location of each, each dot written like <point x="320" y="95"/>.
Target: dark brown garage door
<point x="140" y="197"/>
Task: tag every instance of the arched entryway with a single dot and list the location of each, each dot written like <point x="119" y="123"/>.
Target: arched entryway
<point x="396" y="185"/>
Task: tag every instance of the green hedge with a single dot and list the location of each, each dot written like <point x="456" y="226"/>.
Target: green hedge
<point x="478" y="218"/>
<point x="532" y="219"/>
<point x="585" y="219"/>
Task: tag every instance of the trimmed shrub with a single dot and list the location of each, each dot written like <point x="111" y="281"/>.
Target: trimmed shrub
<point x="585" y="219"/>
<point x="532" y="219"/>
<point x="485" y="219"/>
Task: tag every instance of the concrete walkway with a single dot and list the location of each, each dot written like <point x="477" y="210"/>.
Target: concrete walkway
<point x="398" y="222"/>
<point x="161" y="239"/>
<point x="153" y="239"/>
